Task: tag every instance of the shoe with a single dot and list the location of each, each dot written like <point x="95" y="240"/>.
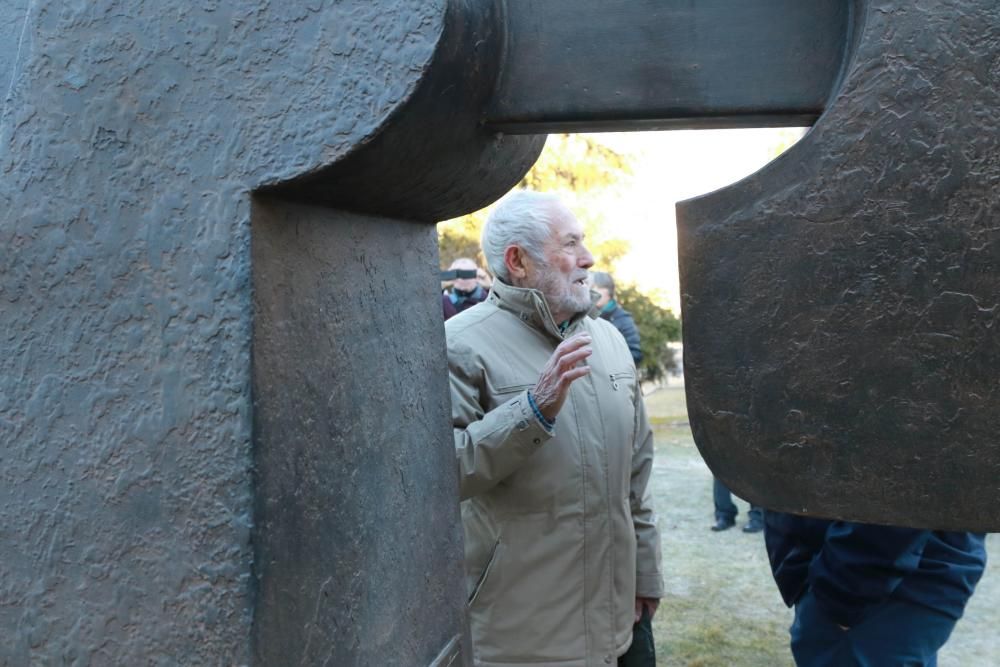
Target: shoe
<point x="753" y="526"/>
<point x="723" y="524"/>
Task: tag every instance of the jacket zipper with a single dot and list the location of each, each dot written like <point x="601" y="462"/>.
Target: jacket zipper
<point x="615" y="377"/>
<point x="486" y="571"/>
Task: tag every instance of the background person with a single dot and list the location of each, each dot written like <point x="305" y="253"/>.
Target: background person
<point x="726" y="511"/>
<point x="554" y="455"/>
<point x="604" y="284"/>
<point x="871" y="595"/>
<point x="464" y="293"/>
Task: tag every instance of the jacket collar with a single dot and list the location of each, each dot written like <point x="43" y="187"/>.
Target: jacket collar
<point x="530" y="307"/>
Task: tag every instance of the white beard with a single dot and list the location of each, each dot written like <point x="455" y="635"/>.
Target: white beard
<point x="562" y="296"/>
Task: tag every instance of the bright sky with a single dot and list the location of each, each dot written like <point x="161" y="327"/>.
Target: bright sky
<point x="669" y="167"/>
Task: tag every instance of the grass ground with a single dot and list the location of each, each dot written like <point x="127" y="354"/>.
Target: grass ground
<point x="722" y="608"/>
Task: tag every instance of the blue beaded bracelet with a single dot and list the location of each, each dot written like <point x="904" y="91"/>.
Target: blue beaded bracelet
<point x="549" y="425"/>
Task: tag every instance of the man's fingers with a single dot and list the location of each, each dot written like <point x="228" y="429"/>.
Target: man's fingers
<point x="573" y="374"/>
<point x="555" y="391"/>
<point x="573" y="358"/>
<point x="560" y="371"/>
<point x="565" y="379"/>
<point x="571" y="343"/>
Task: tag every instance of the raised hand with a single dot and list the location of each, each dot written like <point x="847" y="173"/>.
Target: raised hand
<point x="562" y="368"/>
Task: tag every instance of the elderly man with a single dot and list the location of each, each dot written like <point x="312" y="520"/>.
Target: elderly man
<point x="554" y="454"/>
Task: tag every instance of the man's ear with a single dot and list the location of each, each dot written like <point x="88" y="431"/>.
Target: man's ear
<point x="516" y="261"/>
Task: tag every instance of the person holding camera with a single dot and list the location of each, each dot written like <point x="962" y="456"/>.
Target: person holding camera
<point x="469" y="285"/>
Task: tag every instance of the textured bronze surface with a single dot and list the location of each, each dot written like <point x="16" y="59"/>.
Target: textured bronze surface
<point x="358" y="549"/>
<point x="586" y="65"/>
<point x="135" y="528"/>
<point x="173" y="494"/>
<point x="841" y="305"/>
<point x="433" y="159"/>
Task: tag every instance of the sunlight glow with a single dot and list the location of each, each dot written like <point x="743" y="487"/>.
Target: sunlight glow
<point x="669" y="167"/>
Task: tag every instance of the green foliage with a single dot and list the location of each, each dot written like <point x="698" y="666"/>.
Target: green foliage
<point x="574" y="166"/>
<point x="657" y="327"/>
<point x="460" y="238"/>
<point x="575" y="163"/>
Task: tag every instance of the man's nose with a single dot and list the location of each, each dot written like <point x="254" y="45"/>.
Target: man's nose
<point x="586" y="259"/>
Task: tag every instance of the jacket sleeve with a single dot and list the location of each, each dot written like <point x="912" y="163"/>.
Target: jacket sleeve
<point x="648" y="567"/>
<point x="626" y="324"/>
<point x="861" y="565"/>
<point x="489" y="446"/>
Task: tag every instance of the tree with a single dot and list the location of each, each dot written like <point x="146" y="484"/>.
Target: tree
<point x="460" y="238"/>
<point x="574" y="166"/>
<point x="657" y="327"/>
<point x="576" y="163"/>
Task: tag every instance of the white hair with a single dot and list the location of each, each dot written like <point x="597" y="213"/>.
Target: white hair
<point x="523" y="218"/>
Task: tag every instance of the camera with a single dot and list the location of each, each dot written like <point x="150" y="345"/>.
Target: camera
<point x="458" y="274"/>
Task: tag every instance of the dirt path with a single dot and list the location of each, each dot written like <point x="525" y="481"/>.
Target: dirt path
<point x="723" y="609"/>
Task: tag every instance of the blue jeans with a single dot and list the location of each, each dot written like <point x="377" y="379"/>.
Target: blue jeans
<point x="725" y="509"/>
<point x="895" y="634"/>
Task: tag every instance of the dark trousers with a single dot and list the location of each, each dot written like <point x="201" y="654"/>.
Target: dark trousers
<point x="896" y="634"/>
<point x="725" y="509"/>
<point x="642" y="652"/>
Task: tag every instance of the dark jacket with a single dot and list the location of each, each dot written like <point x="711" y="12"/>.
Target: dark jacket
<point x="623" y="321"/>
<point x="852" y="568"/>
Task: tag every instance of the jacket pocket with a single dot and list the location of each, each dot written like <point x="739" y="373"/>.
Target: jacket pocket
<point x="490" y="562"/>
<point x="617" y="378"/>
<point x="502" y="394"/>
<point x="515" y="387"/>
<point x="624" y="388"/>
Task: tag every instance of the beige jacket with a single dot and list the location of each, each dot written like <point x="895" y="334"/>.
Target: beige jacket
<point x="560" y="535"/>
